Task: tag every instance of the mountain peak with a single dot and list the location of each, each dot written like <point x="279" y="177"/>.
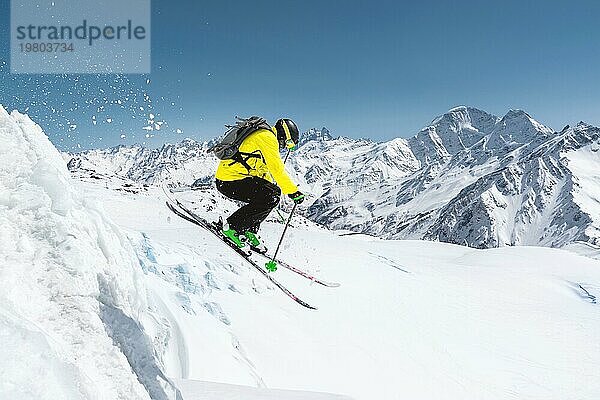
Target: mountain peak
<point x="522" y="120"/>
<point x="449" y="133"/>
<point x="466" y="109"/>
<point x="517" y="127"/>
<point x="460" y="117"/>
<point x="582" y="124"/>
<point x="189" y="141"/>
<point x="314" y="134"/>
<point x="516" y="114"/>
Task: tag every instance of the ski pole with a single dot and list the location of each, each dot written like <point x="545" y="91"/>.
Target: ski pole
<point x="281" y="217"/>
<point x="286" y="156"/>
<point x="272" y="265"/>
<point x="277" y="209"/>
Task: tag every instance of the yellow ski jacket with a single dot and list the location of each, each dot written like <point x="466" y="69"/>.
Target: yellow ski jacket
<point x="266" y="162"/>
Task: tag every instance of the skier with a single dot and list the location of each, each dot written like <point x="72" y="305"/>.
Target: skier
<point x="257" y="176"/>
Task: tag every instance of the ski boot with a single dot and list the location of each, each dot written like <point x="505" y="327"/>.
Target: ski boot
<point x="255" y="242"/>
<point x="235" y="238"/>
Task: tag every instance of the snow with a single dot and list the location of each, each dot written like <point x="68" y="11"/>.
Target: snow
<point x="585" y="164"/>
<point x="105" y="294"/>
<point x="37" y="370"/>
<point x="63" y="264"/>
<point x="412" y="319"/>
<point x="198" y="390"/>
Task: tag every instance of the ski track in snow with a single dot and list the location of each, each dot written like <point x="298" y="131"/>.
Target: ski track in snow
<point x="391" y="263"/>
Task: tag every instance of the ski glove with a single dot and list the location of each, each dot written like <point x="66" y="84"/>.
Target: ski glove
<point x="298" y="197"/>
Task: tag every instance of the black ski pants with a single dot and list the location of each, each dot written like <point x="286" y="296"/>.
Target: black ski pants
<point x="261" y="197"/>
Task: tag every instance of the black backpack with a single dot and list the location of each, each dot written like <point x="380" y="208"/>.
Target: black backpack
<point x="235" y="135"/>
<point x="229" y="147"/>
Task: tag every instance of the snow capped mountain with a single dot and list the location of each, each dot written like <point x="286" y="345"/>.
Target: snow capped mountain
<point x="458" y="129"/>
<point x="468" y="177"/>
<point x="314" y="134"/>
<point x="483" y="182"/>
<point x="528" y="199"/>
<point x="515" y="129"/>
<point x="180" y="164"/>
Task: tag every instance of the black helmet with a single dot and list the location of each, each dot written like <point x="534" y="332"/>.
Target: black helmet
<point x="287" y="133"/>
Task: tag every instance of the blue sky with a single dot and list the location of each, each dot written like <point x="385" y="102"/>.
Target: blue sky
<point x="378" y="69"/>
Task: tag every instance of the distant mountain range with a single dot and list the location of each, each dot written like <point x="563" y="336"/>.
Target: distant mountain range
<point x="469" y="178"/>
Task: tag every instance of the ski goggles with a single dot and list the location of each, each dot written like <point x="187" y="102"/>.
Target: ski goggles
<point x="290" y="145"/>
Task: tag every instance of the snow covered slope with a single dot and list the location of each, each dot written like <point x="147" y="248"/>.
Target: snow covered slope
<point x="198" y="390"/>
<point x="467" y="178"/>
<point x="94" y="309"/>
<point x="411" y="319"/>
<point x="72" y="294"/>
